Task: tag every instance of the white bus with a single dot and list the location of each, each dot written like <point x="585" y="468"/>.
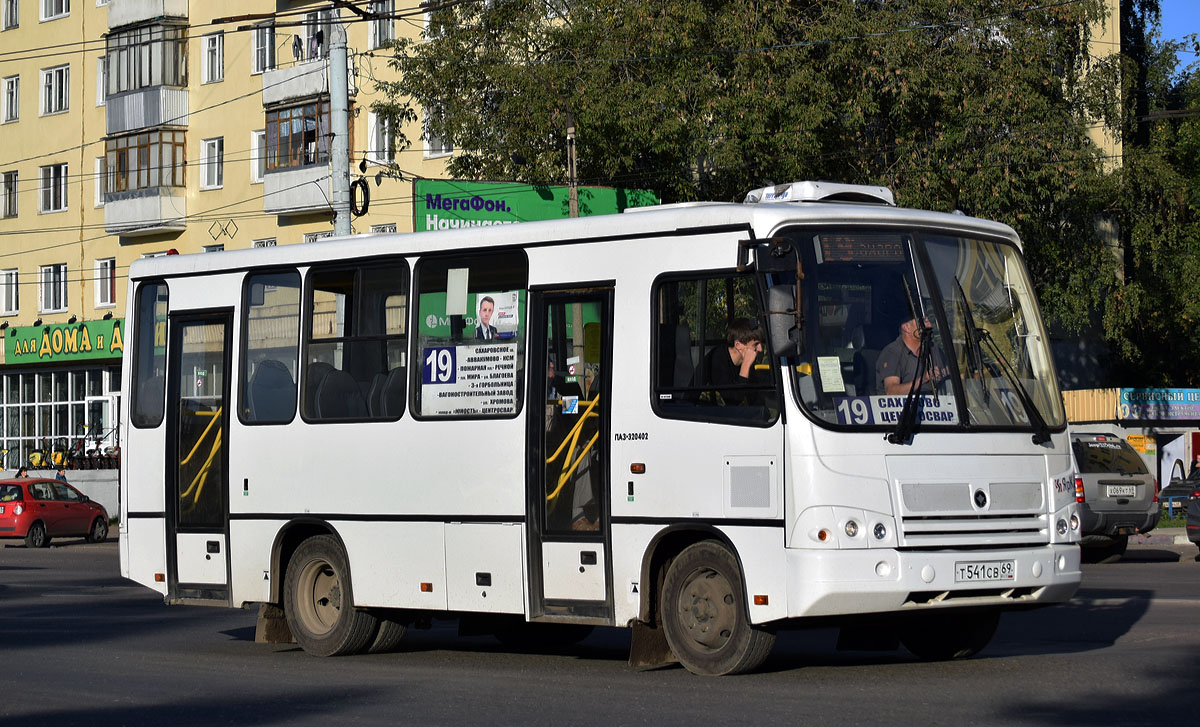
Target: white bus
<point x="535" y="426"/>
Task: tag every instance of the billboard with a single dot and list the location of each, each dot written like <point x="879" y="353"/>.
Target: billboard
<point x="445" y="204"/>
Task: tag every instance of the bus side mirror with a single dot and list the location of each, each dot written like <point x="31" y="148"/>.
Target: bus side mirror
<point x="783" y="321"/>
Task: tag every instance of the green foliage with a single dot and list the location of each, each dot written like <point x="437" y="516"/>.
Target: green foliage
<point x="977" y="105"/>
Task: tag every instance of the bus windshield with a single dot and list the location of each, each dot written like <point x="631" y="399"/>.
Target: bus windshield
<point x="950" y="318"/>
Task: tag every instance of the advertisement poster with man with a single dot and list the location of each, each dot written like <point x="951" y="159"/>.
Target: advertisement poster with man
<point x="474" y="372"/>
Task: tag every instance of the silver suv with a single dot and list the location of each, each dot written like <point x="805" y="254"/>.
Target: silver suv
<point x="1120" y="496"/>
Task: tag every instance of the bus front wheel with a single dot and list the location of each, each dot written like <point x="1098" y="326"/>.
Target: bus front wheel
<point x="943" y="635"/>
<point x="319" y="604"/>
<point x="703" y="610"/>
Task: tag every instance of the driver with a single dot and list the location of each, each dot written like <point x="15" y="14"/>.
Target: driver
<point x="896" y="366"/>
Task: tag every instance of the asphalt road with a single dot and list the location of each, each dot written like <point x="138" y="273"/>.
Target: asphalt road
<point x="80" y="646"/>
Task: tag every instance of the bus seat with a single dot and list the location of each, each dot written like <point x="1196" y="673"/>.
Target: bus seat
<point x="373" y="394"/>
<point x="272" y="393"/>
<point x="313" y="376"/>
<point x="338" y="397"/>
<point x="391" y="397"/>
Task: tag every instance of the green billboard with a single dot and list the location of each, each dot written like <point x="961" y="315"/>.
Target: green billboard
<point x="65" y="342"/>
<point x="444" y="205"/>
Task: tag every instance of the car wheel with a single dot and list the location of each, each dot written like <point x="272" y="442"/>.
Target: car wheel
<point x="99" y="531"/>
<point x="943" y="635"/>
<point x="319" y="603"/>
<point x="1109" y="550"/>
<point x="36" y="537"/>
<point x="703" y="610"/>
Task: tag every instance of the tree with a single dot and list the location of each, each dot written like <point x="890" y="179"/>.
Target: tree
<point x="978" y="105"/>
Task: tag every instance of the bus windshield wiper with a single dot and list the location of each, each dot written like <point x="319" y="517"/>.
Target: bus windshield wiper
<point x="1041" y="432"/>
<point x="974" y="354"/>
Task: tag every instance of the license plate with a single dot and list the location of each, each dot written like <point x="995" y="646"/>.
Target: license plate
<point x="1122" y="490"/>
<point x="984" y="570"/>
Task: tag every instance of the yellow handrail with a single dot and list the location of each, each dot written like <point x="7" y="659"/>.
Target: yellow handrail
<point x="216" y="416"/>
<point x="566" y="475"/>
<point x="572" y="462"/>
<point x="201" y="477"/>
<point x="574" y="433"/>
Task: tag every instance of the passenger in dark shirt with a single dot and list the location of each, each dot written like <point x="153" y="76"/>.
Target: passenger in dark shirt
<point x="731" y="366"/>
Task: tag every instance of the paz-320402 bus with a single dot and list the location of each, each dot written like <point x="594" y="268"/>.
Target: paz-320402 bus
<point x="547" y="426"/>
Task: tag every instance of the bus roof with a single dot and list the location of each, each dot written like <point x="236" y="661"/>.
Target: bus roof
<point x="763" y="219"/>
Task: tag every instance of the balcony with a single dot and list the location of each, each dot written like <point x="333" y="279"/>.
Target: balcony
<point x="146" y="107"/>
<point x="301" y="190"/>
<point x="150" y="211"/>
<point x="128" y="12"/>
<point x="304" y="80"/>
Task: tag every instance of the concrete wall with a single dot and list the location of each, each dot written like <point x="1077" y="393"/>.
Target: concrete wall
<point x="100" y="485"/>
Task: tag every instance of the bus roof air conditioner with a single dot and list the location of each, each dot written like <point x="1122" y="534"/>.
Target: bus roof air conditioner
<point x="821" y="192"/>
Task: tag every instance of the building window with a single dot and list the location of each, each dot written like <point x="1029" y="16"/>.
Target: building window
<point x="52" y="9"/>
<point x="265" y="242"/>
<point x="52" y="183"/>
<point x="10" y="293"/>
<point x="383" y="141"/>
<point x="98" y="179"/>
<point x="8" y="194"/>
<point x="100" y="85"/>
<point x="214" y="163"/>
<point x="298" y="136"/>
<point x="145" y="56"/>
<point x="316" y="35"/>
<point x="317" y="236"/>
<point x="435" y="146"/>
<point x="214" y="58"/>
<point x="11" y="100"/>
<point x="387" y="227"/>
<point x="12" y="14"/>
<point x="146" y="160"/>
<point x="383" y="30"/>
<point x="106" y="282"/>
<point x="52" y="288"/>
<point x="263" y="57"/>
<point x="258" y="156"/>
<point x="213" y="248"/>
<point x="56" y="89"/>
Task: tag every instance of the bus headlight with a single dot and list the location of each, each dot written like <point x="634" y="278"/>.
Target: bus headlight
<point x="1074" y="522"/>
<point x="1062" y="526"/>
<point x="880" y="531"/>
<point x="851" y="528"/>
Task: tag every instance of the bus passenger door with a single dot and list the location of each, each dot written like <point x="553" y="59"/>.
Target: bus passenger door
<point x="197" y="447"/>
<point x="568" y="508"/>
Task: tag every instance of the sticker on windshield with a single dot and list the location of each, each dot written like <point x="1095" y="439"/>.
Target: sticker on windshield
<point x="830" y="369"/>
<point x="867" y="410"/>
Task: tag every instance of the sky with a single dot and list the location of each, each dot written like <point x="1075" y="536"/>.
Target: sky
<point x="1180" y="18"/>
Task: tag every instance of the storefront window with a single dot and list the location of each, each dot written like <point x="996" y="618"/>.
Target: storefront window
<point x="45" y="412"/>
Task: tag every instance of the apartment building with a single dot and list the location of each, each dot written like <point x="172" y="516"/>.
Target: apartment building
<point x="132" y="128"/>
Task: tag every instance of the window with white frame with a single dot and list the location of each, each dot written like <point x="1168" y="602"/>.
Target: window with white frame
<point x="52" y="186"/>
<point x="263" y="57"/>
<point x="435" y="146"/>
<point x="12" y="14"/>
<point x="52" y="288"/>
<point x="100" y="81"/>
<point x="383" y="29"/>
<point x="316" y="34"/>
<point x="214" y="163"/>
<point x="11" y="99"/>
<point x="10" y="292"/>
<point x="98" y="179"/>
<point x="52" y="9"/>
<point x="315" y="236"/>
<point x="383" y="141"/>
<point x="149" y="55"/>
<point x="265" y="242"/>
<point x="56" y="89"/>
<point x="8" y="194"/>
<point x="101" y="3"/>
<point x="106" y="282"/>
<point x="435" y="19"/>
<point x="213" y="248"/>
<point x="213" y="59"/>
<point x="258" y="156"/>
<point x="386" y="227"/>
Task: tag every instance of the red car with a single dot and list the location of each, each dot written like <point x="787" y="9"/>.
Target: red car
<point x="38" y="510"/>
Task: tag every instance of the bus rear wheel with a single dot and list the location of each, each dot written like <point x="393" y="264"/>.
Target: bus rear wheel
<point x="319" y="604"/>
<point x="944" y="635"/>
<point x="703" y="611"/>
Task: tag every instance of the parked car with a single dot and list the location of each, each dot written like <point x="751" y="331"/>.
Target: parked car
<point x="1119" y="495"/>
<point x="38" y="510"/>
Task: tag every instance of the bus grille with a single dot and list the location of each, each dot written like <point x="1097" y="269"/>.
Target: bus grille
<point x="974" y="530"/>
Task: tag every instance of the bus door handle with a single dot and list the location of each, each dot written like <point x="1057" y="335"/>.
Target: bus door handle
<point x="587" y="557"/>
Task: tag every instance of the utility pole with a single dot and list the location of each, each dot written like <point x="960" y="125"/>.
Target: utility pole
<point x="339" y="112"/>
<point x="572" y="177"/>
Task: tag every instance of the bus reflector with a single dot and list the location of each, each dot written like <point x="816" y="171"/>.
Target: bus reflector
<point x="426" y="588"/>
<point x="160" y="577"/>
<point x="761" y="600"/>
<point x="638" y="468"/>
<point x="1079" y="496"/>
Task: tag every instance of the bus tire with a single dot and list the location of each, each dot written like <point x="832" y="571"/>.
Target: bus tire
<point x="703" y="612"/>
<point x="319" y="603"/>
<point x="945" y="635"/>
<point x="388" y="638"/>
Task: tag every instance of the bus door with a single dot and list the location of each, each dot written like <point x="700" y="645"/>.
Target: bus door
<point x="197" y="449"/>
<point x="568" y="509"/>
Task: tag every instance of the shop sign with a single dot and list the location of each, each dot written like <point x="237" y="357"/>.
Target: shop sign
<point x="62" y="342"/>
<point x="444" y="205"/>
<point x="1159" y="404"/>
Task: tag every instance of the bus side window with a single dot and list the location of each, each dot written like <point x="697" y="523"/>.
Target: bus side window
<point x="149" y="356"/>
<point x="471" y="335"/>
<point x="355" y="365"/>
<point x="270" y="348"/>
<point x="695" y="374"/>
